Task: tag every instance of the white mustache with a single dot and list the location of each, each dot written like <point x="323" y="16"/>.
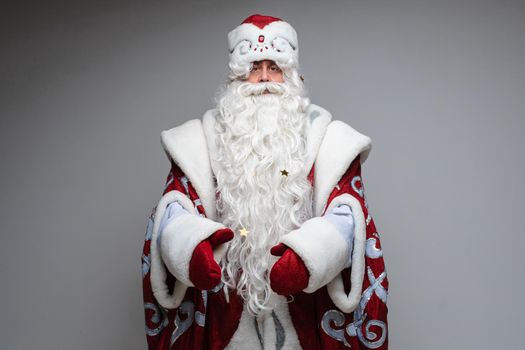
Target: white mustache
<point x="246" y="89"/>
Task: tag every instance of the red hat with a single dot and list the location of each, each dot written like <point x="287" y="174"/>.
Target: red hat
<point x="261" y="37"/>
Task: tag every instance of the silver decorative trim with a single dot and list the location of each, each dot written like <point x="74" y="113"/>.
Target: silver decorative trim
<point x="146" y="264"/>
<point x="149" y="228"/>
<point x="360" y="190"/>
<point x="338" y="319"/>
<point x="184" y="180"/>
<point x="169" y="182"/>
<point x="371" y="251"/>
<point x="354" y="329"/>
<point x="159" y="317"/>
<point x="186" y="308"/>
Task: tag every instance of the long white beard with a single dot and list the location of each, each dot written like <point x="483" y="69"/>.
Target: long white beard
<point x="259" y="136"/>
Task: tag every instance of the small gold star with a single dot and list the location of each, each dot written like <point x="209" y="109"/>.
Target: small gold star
<point x="284" y="172"/>
<point x="244" y="232"/>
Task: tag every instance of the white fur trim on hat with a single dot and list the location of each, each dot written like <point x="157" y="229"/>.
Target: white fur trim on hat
<point x="259" y="38"/>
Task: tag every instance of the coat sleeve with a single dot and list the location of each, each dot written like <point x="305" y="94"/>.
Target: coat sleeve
<point x="324" y="249"/>
<point x="171" y="249"/>
<point x="366" y="252"/>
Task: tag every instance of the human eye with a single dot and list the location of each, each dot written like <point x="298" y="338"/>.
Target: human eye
<point x="275" y="68"/>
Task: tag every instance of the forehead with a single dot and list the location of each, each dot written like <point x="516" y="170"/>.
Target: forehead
<point x="264" y="61"/>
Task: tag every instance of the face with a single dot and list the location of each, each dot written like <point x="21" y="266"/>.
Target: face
<point x="265" y="71"/>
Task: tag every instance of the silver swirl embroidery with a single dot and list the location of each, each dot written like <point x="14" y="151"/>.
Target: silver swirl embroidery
<point x="217" y="288"/>
<point x="168" y="182"/>
<point x="149" y="228"/>
<point x="359" y="190"/>
<point x="146" y="263"/>
<point x="375" y="287"/>
<point x="338" y="319"/>
<point x="159" y="317"/>
<point x="371" y="250"/>
<point x="371" y="335"/>
<point x="184" y="180"/>
<point x="355" y="328"/>
<point x="186" y="308"/>
<point x="200" y="317"/>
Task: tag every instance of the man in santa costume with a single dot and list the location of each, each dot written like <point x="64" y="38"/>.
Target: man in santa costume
<point x="262" y="238"/>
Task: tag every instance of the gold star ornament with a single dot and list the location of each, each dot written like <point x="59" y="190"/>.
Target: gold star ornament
<point x="244" y="232"/>
<point x="284" y="172"/>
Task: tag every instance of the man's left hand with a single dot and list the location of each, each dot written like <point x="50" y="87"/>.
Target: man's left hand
<point x="289" y="274"/>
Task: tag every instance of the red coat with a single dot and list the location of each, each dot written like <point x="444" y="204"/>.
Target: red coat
<point x="206" y="320"/>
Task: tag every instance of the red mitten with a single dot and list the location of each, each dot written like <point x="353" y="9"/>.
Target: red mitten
<point x="289" y="274"/>
<point x="205" y="273"/>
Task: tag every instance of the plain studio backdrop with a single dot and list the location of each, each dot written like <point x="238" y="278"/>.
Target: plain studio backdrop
<point x="87" y="87"/>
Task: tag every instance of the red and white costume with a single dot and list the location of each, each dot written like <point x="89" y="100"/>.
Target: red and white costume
<point x="340" y="308"/>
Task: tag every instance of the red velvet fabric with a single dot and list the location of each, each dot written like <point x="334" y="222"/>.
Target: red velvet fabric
<point x="289" y="274"/>
<point x="260" y="20"/>
<point x="205" y="273"/>
<point x="307" y="310"/>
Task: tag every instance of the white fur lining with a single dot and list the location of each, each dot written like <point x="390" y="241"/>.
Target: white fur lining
<point x="322" y="248"/>
<point x="208" y="126"/>
<point x="158" y="271"/>
<point x="348" y="303"/>
<point x="319" y="117"/>
<point x="186" y="145"/>
<point x="332" y="145"/>
<point x="180" y="237"/>
<point x="246" y="337"/>
<point x="340" y="146"/>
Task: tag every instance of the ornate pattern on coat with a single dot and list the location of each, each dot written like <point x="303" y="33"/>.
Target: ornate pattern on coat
<point x="366" y="327"/>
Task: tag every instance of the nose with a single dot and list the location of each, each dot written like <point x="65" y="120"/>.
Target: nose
<point x="265" y="76"/>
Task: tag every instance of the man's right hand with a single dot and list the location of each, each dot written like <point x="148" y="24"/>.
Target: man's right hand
<point x="205" y="273"/>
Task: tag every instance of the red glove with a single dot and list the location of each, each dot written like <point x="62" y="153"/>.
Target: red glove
<point x="289" y="274"/>
<point x="205" y="273"/>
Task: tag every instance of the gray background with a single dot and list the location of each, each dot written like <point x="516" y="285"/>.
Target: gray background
<point x="87" y="86"/>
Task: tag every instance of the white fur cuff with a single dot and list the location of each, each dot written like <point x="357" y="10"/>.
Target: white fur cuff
<point x="205" y="228"/>
<point x="322" y="249"/>
<point x="180" y="237"/>
<point x="349" y="302"/>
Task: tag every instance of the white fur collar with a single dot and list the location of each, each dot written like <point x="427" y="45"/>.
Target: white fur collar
<point x="340" y="146"/>
<point x="333" y="145"/>
<point x="186" y="145"/>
